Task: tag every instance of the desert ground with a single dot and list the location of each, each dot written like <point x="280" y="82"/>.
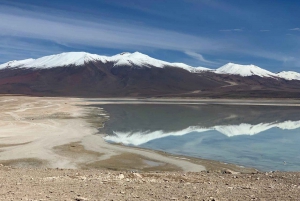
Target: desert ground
<point x="51" y="149"/>
<point x="81" y="185"/>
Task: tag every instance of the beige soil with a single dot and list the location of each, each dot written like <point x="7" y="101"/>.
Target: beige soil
<point x="56" y="184"/>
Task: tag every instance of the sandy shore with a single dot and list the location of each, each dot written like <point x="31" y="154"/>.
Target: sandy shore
<point x="58" y="133"/>
<point x="31" y="127"/>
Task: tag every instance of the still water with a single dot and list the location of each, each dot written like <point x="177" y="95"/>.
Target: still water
<point x="263" y="137"/>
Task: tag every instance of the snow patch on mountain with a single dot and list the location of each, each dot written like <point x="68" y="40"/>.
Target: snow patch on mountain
<point x="189" y="68"/>
<point x="63" y="59"/>
<point x="289" y="75"/>
<point x="135" y="59"/>
<point x="244" y="70"/>
<point x="15" y="63"/>
<point x="140" y="60"/>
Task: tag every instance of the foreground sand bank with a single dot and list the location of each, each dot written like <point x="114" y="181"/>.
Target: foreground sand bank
<point x="84" y="185"/>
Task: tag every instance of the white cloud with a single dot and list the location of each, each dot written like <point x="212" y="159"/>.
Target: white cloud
<point x="109" y="34"/>
<point x="198" y="57"/>
<point x="295" y="29"/>
<point x="83" y="32"/>
<point x="14" y="49"/>
<point x="231" y="30"/>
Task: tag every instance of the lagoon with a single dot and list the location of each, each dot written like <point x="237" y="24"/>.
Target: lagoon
<point x="264" y="137"/>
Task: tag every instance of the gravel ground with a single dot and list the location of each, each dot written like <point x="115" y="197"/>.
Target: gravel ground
<point x="64" y="184"/>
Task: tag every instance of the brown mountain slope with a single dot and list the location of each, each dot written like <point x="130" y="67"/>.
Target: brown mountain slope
<point x="96" y="79"/>
<point x="252" y="86"/>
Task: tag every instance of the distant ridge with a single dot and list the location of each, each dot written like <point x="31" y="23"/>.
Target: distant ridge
<point x="80" y="58"/>
<point x="138" y="59"/>
<point x="82" y="74"/>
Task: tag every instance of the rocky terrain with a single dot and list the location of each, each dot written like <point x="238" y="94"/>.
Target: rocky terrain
<point x="81" y="185"/>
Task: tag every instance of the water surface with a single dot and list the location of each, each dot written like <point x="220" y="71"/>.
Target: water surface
<point x="264" y="137"/>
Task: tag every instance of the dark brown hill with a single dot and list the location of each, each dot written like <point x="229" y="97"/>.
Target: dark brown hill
<point x="96" y="79"/>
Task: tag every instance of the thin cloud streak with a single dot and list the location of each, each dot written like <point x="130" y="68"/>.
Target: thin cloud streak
<point x="102" y="34"/>
<point x="17" y="51"/>
<point x="295" y="29"/>
<point x="265" y="54"/>
<point x="231" y="30"/>
<point x="77" y="33"/>
<point x="198" y="57"/>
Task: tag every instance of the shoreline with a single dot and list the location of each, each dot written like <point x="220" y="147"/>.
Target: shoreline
<point x="41" y="132"/>
<point x="191" y="101"/>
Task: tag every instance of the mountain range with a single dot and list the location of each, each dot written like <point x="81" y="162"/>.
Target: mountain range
<point x="135" y="74"/>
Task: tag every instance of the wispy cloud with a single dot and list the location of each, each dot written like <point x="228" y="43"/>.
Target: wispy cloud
<point x="231" y="30"/>
<point x="275" y="56"/>
<point x="12" y="48"/>
<point x="62" y="29"/>
<point x="295" y="29"/>
<point x="198" y="57"/>
<point x="110" y="34"/>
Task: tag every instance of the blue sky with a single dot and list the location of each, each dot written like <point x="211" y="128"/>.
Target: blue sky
<point x="207" y="33"/>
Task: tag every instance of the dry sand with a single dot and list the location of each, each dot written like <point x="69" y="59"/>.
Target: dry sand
<point x="82" y="185"/>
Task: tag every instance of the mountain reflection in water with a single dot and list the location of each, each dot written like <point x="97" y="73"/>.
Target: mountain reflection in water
<point x="264" y="137"/>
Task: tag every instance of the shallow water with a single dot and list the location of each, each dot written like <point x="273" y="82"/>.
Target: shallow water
<point x="263" y="137"/>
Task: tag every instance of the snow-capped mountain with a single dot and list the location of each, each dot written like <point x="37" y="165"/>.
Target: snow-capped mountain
<point x="139" y="138"/>
<point x="244" y="70"/>
<point x="138" y="59"/>
<point x="80" y="58"/>
<point x="289" y="75"/>
<point x="63" y="59"/>
<point x="137" y="74"/>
